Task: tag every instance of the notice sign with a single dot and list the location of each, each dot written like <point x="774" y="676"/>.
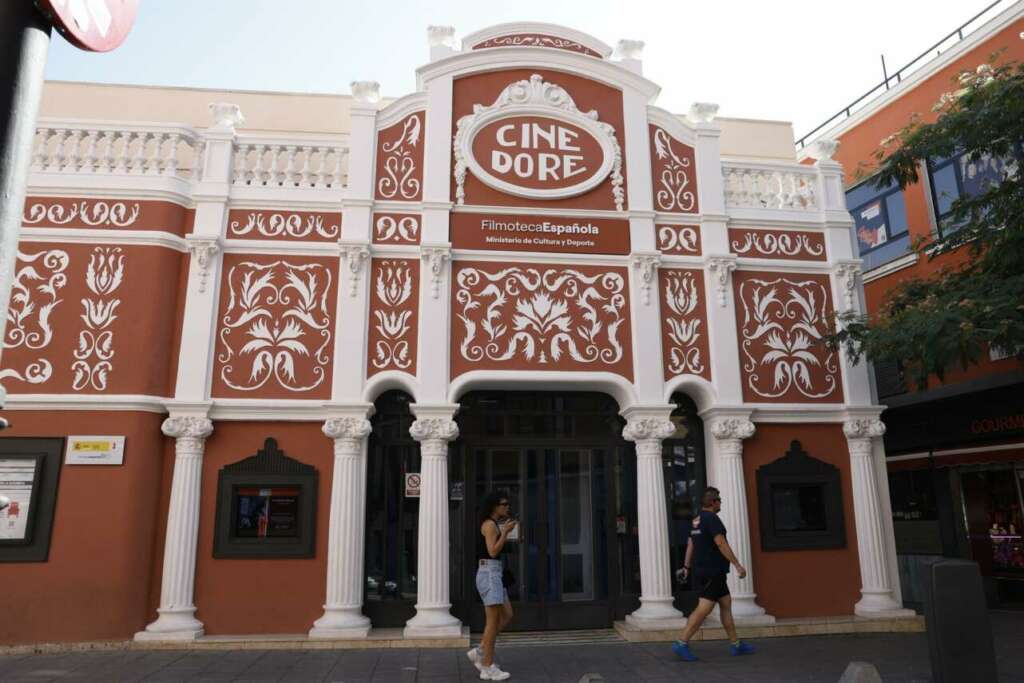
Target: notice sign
<point x="94" y="450"/>
<point x="561" y="234"/>
<point x="17" y="482"/>
<point x="412" y="485"/>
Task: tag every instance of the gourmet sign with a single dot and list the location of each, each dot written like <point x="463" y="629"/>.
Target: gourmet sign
<point x="533" y="142"/>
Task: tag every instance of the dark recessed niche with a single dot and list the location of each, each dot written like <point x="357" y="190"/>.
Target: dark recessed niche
<point x="800" y="503"/>
<point x="266" y="507"/>
<point x="29" y="473"/>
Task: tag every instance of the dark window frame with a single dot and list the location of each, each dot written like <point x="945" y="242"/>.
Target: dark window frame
<point x="48" y="454"/>
<point x="269" y="468"/>
<point x="934" y="167"/>
<point x="881" y="196"/>
<point x="797" y="468"/>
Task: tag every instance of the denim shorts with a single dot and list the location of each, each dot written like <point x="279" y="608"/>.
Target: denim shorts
<point x="488" y="582"/>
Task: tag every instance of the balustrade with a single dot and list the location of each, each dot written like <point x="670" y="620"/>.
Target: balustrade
<point x="116" y="149"/>
<point x="280" y="164"/>
<point x="770" y="186"/>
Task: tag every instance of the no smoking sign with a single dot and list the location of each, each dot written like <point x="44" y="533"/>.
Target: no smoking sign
<point x="412" y="485"/>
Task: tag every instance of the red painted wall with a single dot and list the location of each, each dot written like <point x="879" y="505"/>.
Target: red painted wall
<point x="802" y="583"/>
<point x="96" y="582"/>
<point x="237" y="596"/>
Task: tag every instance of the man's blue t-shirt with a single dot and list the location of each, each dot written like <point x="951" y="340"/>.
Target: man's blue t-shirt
<point x="707" y="559"/>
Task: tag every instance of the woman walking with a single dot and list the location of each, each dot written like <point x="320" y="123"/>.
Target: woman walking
<point x="495" y="527"/>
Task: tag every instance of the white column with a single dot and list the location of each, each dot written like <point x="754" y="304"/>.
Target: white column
<point x="177" y="612"/>
<point x="433" y="428"/>
<point x="343" y="612"/>
<point x="656" y="610"/>
<point x="728" y="434"/>
<point x="877" y="598"/>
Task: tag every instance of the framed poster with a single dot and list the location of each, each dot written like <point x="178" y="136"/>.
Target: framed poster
<point x="19" y="482"/>
<point x="29" y="474"/>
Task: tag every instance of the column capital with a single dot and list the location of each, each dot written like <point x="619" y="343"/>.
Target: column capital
<point x="732" y="428"/>
<point x="434" y="429"/>
<point x="348" y="427"/>
<point x="721" y="266"/>
<point x="863" y="428"/>
<point x="644" y="428"/>
<point x="187" y="427"/>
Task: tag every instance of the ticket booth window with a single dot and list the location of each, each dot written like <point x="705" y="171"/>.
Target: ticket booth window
<point x="800" y="503"/>
<point x="266" y="507"/>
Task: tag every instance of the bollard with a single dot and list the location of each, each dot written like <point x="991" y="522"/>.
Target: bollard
<point x="959" y="632"/>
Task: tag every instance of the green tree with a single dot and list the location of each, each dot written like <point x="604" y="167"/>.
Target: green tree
<point x="953" y="316"/>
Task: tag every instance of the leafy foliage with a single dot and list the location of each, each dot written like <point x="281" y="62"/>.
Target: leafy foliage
<point x="976" y="300"/>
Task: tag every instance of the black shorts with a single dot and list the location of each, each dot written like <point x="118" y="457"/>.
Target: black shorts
<point x="711" y="587"/>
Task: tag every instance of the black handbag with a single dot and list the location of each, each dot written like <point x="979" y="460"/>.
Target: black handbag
<point x="507" y="577"/>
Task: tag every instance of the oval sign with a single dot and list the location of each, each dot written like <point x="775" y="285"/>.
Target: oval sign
<point x="94" y="25"/>
<point x="538" y="156"/>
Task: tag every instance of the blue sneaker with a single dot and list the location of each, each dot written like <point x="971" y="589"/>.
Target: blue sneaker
<point x="741" y="648"/>
<point x="682" y="651"/>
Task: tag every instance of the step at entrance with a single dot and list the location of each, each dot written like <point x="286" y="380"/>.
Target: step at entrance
<point x="540" y="638"/>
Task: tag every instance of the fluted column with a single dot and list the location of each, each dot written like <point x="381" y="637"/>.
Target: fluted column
<point x="343" y="612"/>
<point x="729" y="433"/>
<point x="177" y="612"/>
<point x="433" y="428"/>
<point x="656" y="610"/>
<point x="876" y="588"/>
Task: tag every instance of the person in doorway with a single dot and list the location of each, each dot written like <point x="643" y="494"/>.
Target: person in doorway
<point x="708" y="557"/>
<point x="496" y="523"/>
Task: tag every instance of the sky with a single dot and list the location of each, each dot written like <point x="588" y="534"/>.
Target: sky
<point x="791" y="60"/>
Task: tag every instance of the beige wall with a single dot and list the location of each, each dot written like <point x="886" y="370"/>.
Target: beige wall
<point x="747" y="138"/>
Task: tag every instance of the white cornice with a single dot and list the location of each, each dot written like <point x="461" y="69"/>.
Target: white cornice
<point x="97" y="402"/>
<point x="400" y="108"/>
<point x="952" y="54"/>
<point x="280" y="247"/>
<point x="464" y="63"/>
<point x="144" y="238"/>
<point x="672" y="124"/>
<point x="109" y="186"/>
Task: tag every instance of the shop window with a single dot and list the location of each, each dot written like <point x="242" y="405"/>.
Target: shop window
<point x="879" y="222"/>
<point x="993" y="512"/>
<point x="29" y="471"/>
<point x="800" y="503"/>
<point x="890" y="378"/>
<point x="913" y="496"/>
<point x="266" y="507"/>
<point x="964" y="176"/>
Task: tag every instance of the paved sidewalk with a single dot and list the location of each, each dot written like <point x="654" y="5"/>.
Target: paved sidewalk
<point x="899" y="657"/>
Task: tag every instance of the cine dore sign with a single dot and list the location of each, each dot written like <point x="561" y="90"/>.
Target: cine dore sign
<point x="534" y="142"/>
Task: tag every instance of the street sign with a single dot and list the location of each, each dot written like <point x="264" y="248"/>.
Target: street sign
<point x="94" y="25"/>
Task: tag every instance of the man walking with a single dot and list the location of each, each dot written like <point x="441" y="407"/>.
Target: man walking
<point x="708" y="557"/>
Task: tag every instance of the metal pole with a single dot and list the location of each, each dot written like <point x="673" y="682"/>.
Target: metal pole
<point x="885" y="74"/>
<point x="24" y="41"/>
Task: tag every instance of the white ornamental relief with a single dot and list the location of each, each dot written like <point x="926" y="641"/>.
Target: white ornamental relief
<point x="401" y="229"/>
<point x="683" y="299"/>
<point x="95" y="353"/>
<point x="281" y="313"/>
<point x="92" y="213"/>
<point x="535" y="97"/>
<point x="557" y="312"/>
<point x="781" y="339"/>
<point x="781" y="244"/>
<point x="534" y="41"/>
<point x="290" y="225"/>
<point x="673" y="191"/>
<point x="678" y="239"/>
<point x="399" y="181"/>
<point x="34" y="298"/>
<point x="393" y="292"/>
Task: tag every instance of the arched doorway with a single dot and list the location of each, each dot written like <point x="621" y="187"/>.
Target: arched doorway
<point x="560" y="457"/>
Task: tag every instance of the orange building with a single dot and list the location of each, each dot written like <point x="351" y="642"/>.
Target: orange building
<point x="955" y="450"/>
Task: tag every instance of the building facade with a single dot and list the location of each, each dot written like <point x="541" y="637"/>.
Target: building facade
<point x="325" y="326"/>
<point x="955" y="450"/>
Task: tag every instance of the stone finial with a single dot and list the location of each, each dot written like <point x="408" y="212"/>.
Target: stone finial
<point x="226" y="116"/>
<point x="630" y="49"/>
<point x="441" y="36"/>
<point x="366" y="91"/>
<point x="702" y="112"/>
<point x="822" y="150"/>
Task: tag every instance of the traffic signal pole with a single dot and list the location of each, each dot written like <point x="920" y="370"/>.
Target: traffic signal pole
<point x="24" y="41"/>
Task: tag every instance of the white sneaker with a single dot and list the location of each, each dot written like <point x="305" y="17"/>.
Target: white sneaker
<point x="477" y="659"/>
<point x="493" y="673"/>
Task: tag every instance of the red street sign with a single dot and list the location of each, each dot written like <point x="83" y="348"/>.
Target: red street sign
<point x="94" y="25"/>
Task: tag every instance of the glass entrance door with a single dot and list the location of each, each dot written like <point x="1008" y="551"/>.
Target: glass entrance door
<point x="559" y="555"/>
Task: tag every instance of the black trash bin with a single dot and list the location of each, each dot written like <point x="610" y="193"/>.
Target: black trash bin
<point x="959" y="632"/>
